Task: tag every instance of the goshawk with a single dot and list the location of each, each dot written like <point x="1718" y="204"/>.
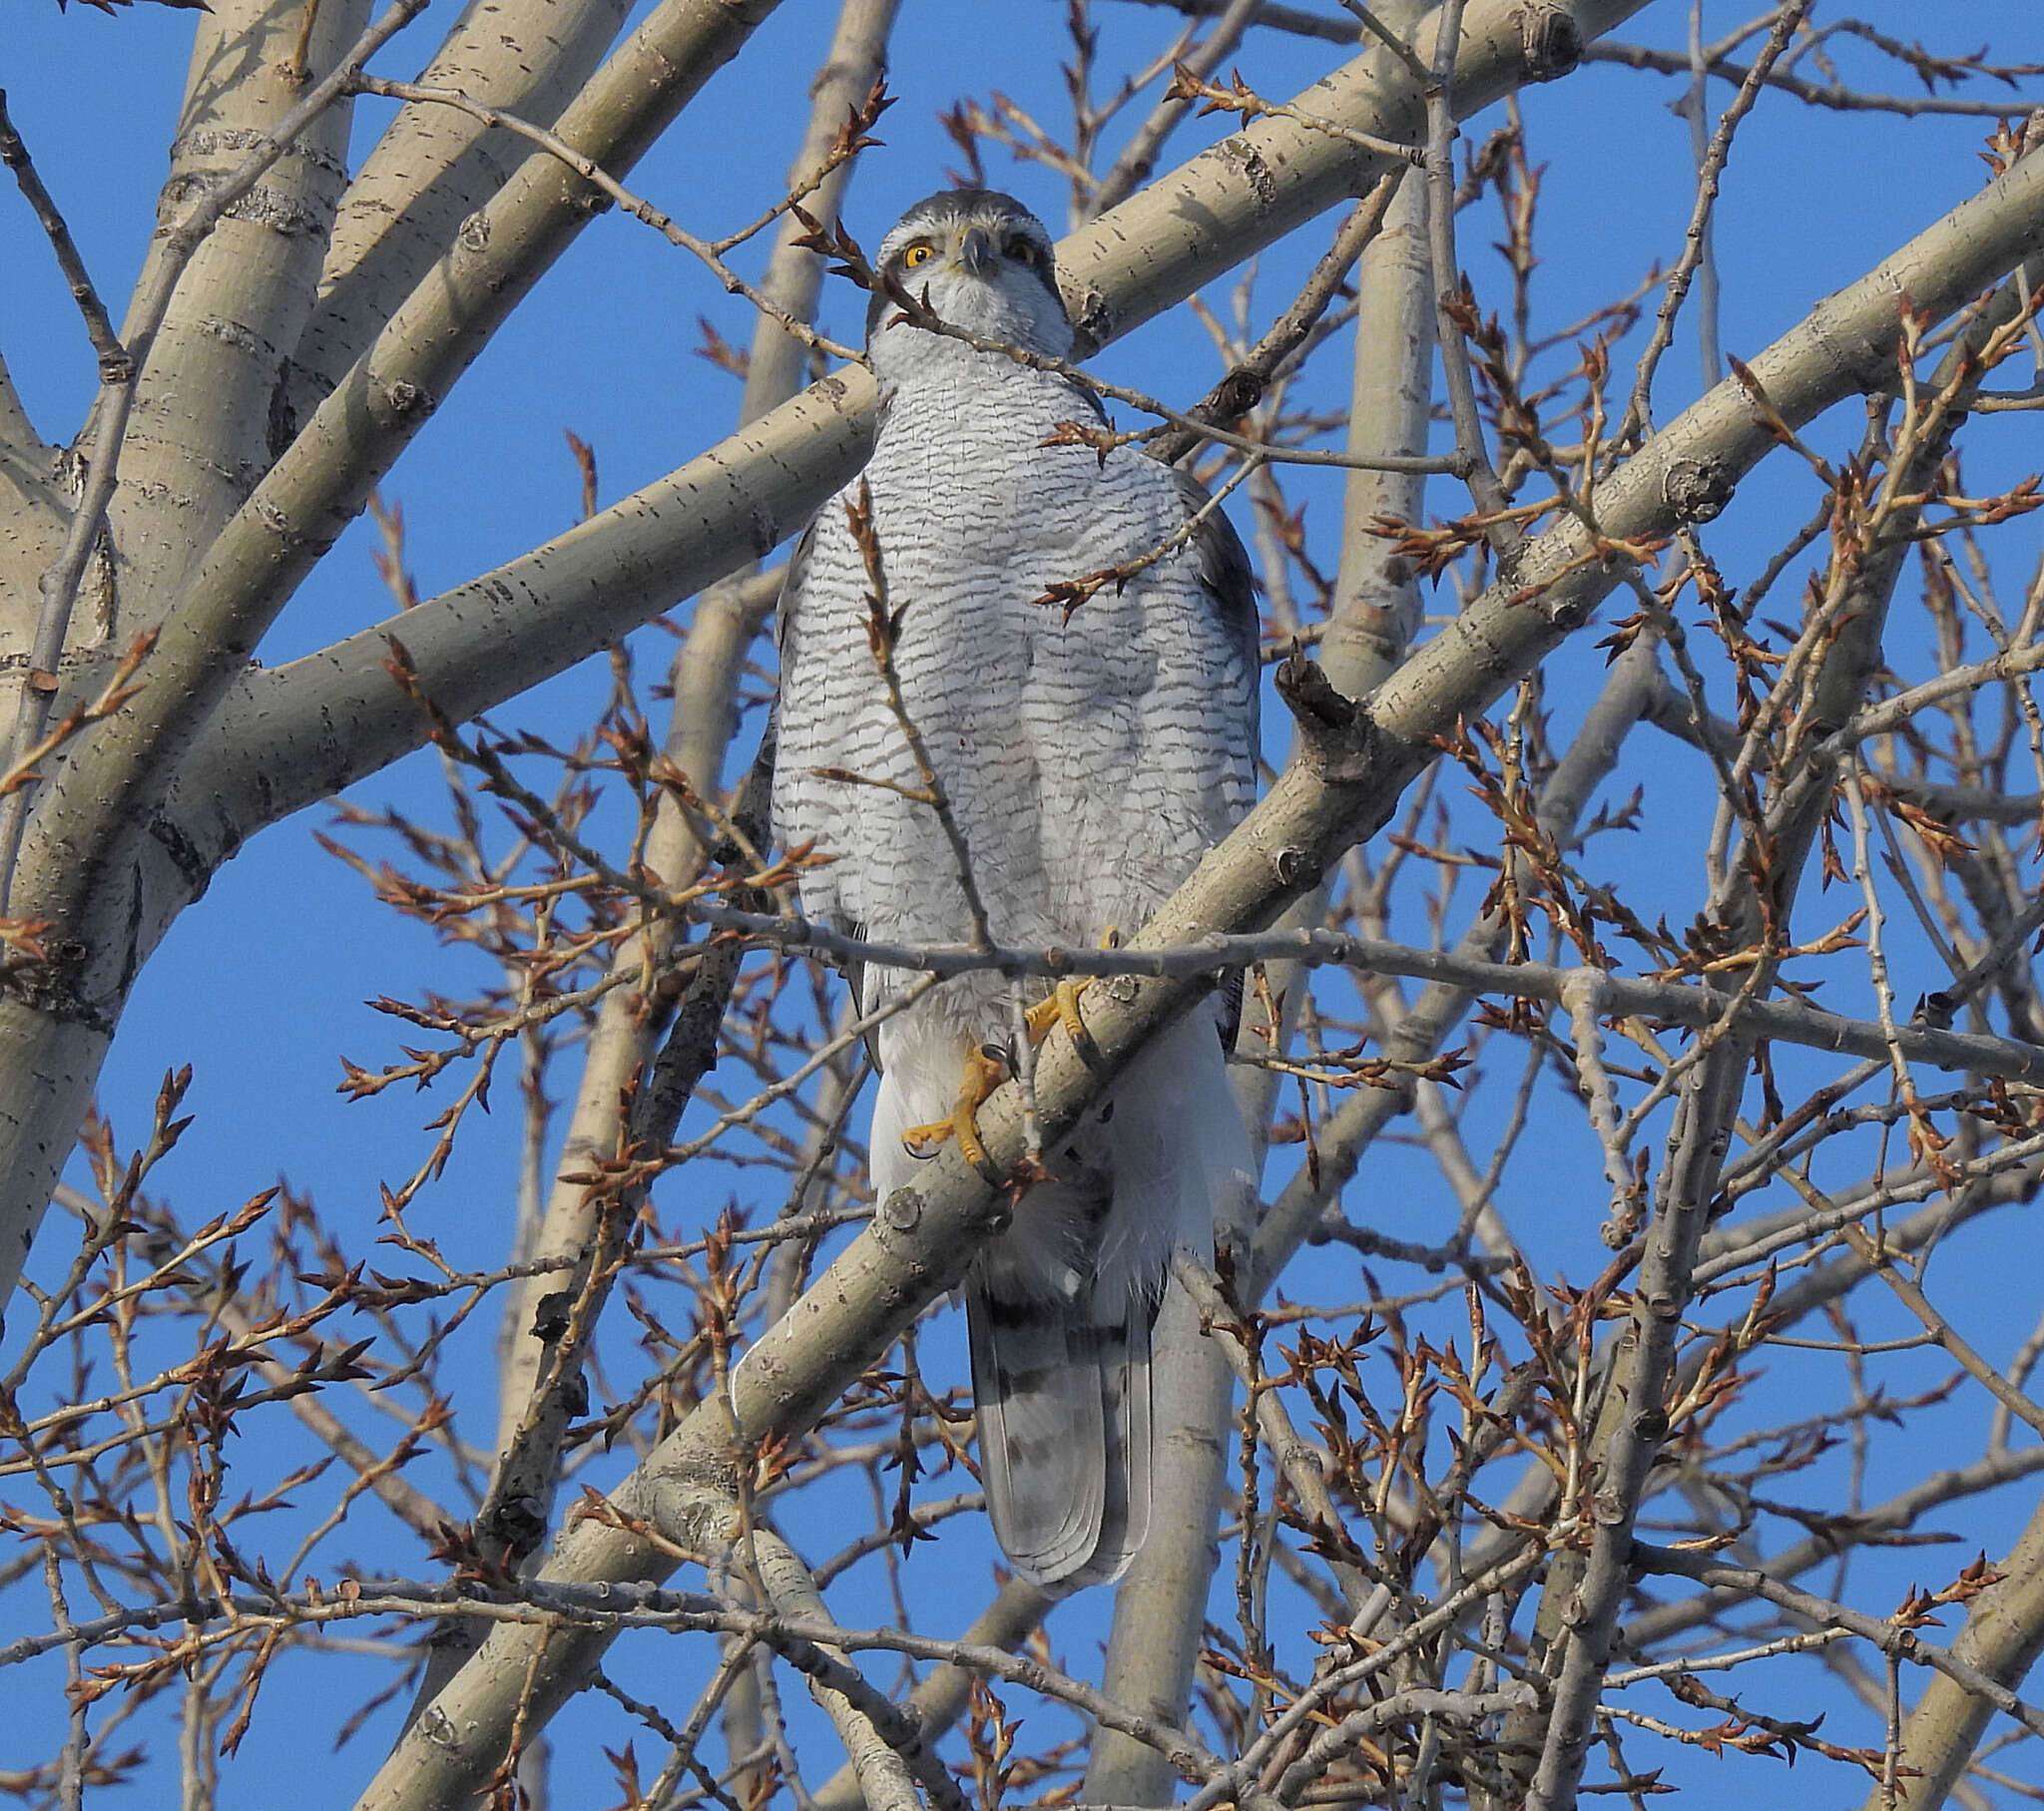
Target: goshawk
<point x="1089" y="757"/>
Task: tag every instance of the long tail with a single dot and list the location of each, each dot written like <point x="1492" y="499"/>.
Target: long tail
<point x="1059" y="1308"/>
<point x="1064" y="1431"/>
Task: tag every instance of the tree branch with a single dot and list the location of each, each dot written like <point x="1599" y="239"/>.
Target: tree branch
<point x="322" y="480"/>
<point x="1890" y="1636"/>
<point x="113" y="356"/>
<point x="174" y="252"/>
<point x="433" y="169"/>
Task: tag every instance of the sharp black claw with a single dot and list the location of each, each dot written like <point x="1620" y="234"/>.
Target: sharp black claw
<point x="990" y="1172"/>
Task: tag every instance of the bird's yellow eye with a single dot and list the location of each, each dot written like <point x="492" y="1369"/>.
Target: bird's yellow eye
<point x="917" y="255"/>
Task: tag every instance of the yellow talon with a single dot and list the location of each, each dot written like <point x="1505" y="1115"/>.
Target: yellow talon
<point x="1062" y="1008"/>
<point x="985" y="1070"/>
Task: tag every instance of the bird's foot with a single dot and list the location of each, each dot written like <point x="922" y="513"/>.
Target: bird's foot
<point x="985" y="1070"/>
<point x="1062" y="1008"/>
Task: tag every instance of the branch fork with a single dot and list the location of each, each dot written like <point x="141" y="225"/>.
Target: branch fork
<point x="1338" y="740"/>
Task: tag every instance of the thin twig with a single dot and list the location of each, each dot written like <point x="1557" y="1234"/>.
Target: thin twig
<point x="1503" y="534"/>
<point x="1696" y="251"/>
<point x="115" y="364"/>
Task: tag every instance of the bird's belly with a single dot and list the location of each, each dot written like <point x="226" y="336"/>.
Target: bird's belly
<point x="1075" y="739"/>
<point x="1042" y="730"/>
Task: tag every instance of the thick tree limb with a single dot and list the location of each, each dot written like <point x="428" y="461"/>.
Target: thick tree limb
<point x="432" y="169"/>
<point x="1132" y="169"/>
<point x="1423" y="1029"/>
<point x="1160" y="1608"/>
<point x="941" y="1700"/>
<point x="322" y="480"/>
<point x="222" y="297"/>
<point x="281" y="741"/>
<point x="227" y="274"/>
<point x="95" y="860"/>
<point x="888" y="1765"/>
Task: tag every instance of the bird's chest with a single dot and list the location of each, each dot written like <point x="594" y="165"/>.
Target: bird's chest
<point x="984" y="497"/>
<point x="982" y="531"/>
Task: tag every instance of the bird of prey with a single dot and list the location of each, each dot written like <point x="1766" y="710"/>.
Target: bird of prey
<point x="1088" y="756"/>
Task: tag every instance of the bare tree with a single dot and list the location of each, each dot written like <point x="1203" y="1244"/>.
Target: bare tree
<point x="1612" y="1318"/>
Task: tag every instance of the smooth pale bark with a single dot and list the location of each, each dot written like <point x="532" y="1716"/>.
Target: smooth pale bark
<point x="270" y="749"/>
<point x="33" y="508"/>
<point x="1132" y="169"/>
<point x="103" y="862"/>
<point x="322" y="481"/>
<point x="1422" y="1030"/>
<point x="1377" y="606"/>
<point x="536" y="1398"/>
<point x="201" y="433"/>
<point x="1347" y="785"/>
<point x="793" y="282"/>
<point x="1159" y="1609"/>
<point x="884" y="1781"/>
<point x="435" y="166"/>
<point x="34" y="514"/>
<point x="195" y="446"/>
<point x="1307" y="820"/>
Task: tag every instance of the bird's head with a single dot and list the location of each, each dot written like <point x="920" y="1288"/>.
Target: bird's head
<point x="982" y="262"/>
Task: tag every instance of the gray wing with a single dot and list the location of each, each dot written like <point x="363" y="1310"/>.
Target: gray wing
<point x="1230" y="582"/>
<point x="787" y="606"/>
<point x="787" y="628"/>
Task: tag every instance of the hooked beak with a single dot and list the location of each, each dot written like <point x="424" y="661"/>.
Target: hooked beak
<point x="974" y="253"/>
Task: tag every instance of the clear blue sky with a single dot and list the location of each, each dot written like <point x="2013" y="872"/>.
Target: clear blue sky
<point x="262" y="986"/>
